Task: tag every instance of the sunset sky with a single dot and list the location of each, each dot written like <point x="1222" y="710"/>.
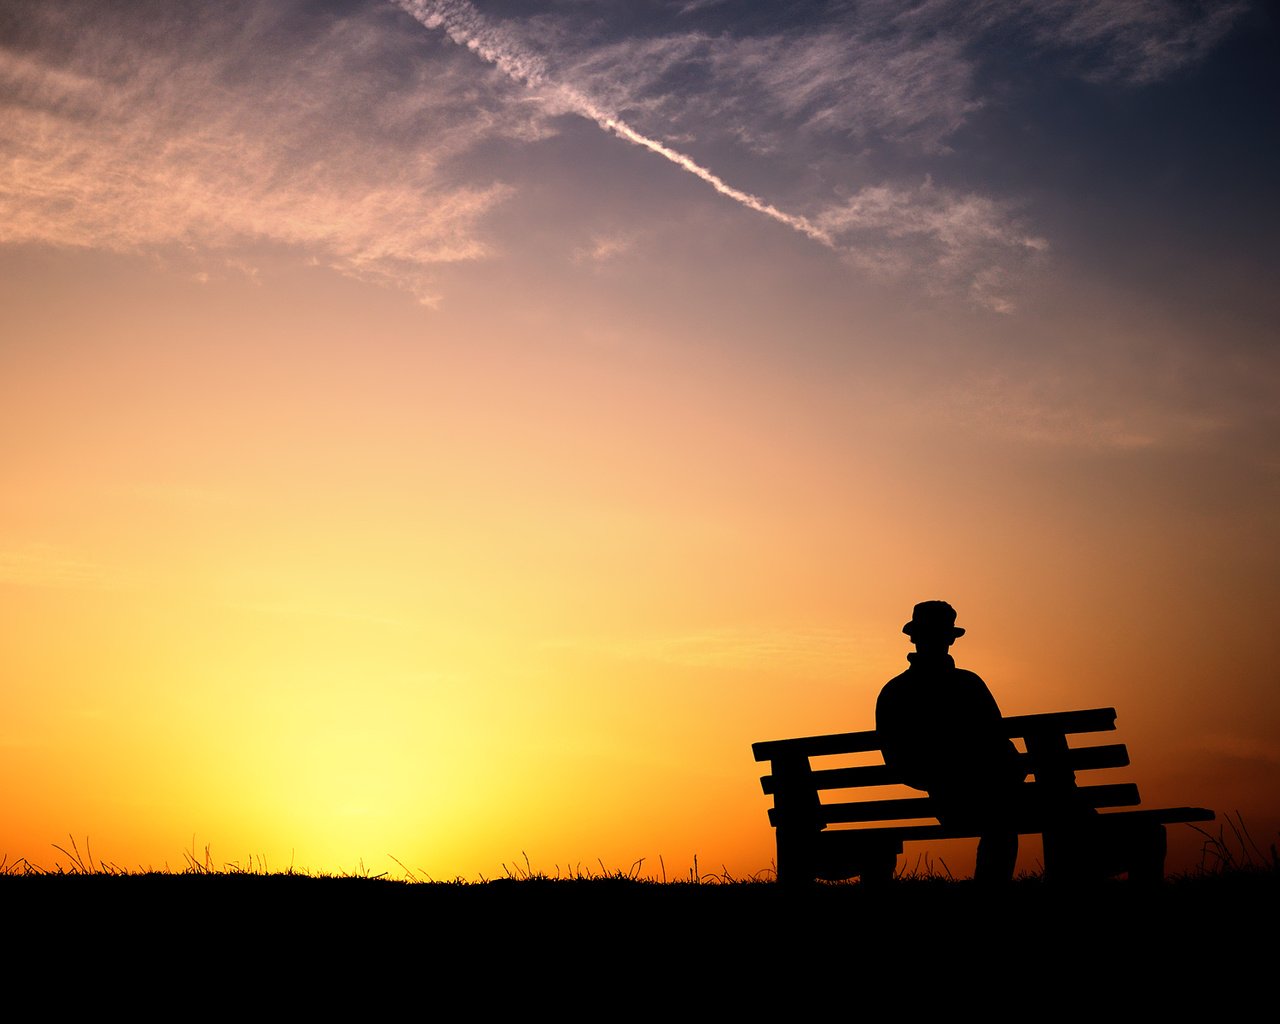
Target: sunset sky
<point x="445" y="431"/>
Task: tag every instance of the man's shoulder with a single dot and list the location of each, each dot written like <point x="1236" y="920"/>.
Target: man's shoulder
<point x="974" y="692"/>
<point x="898" y="682"/>
<point x="894" y="691"/>
<point x="965" y="676"/>
<point x="965" y="679"/>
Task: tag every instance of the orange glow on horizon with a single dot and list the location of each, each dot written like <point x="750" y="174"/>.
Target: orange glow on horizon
<point x="398" y="466"/>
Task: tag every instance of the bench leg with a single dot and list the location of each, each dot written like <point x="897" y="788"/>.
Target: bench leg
<point x="845" y="855"/>
<point x="804" y="856"/>
<point x="1145" y="845"/>
<point x="797" y="858"/>
<point x="1096" y="849"/>
<point x="1072" y="855"/>
<point x="878" y="866"/>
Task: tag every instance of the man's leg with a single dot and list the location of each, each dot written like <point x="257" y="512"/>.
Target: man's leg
<point x="991" y="813"/>
<point x="1073" y="844"/>
<point x="997" y="856"/>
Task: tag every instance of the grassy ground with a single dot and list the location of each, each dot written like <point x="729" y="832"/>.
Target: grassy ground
<point x="620" y="947"/>
<point x="709" y="940"/>
<point x="1209" y="900"/>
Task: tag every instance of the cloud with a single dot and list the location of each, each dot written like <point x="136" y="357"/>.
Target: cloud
<point x="1098" y="407"/>
<point x="846" y="83"/>
<point x="138" y="128"/>
<point x="959" y="240"/>
<point x="770" y="92"/>
<point x="467" y="28"/>
<point x="693" y="6"/>
<point x="1136" y="41"/>
<point x="605" y="248"/>
<point x="217" y="130"/>
<point x="1132" y="41"/>
<point x="876" y="72"/>
<point x="857" y="79"/>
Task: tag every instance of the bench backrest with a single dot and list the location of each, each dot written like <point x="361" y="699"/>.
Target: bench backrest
<point x="797" y="787"/>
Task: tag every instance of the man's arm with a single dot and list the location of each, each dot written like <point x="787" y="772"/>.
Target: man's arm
<point x="899" y="747"/>
<point x="989" y="722"/>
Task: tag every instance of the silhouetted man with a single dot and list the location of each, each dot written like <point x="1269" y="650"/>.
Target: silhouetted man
<point x="941" y="729"/>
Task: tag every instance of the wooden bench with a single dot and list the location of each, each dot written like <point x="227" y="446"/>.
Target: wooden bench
<point x="1130" y="841"/>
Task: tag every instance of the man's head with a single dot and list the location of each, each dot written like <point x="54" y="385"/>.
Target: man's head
<point x="933" y="622"/>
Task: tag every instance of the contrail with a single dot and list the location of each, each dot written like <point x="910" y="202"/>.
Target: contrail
<point x="467" y="27"/>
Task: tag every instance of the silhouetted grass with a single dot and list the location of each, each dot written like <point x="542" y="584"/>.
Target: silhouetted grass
<point x="1230" y="853"/>
<point x="591" y="940"/>
<point x="1230" y="857"/>
<point x="624" y="930"/>
<point x="1233" y="851"/>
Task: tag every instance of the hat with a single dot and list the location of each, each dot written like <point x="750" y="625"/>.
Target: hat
<point x="933" y="617"/>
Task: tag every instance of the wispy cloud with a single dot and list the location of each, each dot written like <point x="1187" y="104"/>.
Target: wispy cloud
<point x="964" y="241"/>
<point x="1134" y="41"/>
<point x="882" y="228"/>
<point x="879" y="71"/>
<point x="604" y="248"/>
<point x="145" y="128"/>
<point x="1095" y="407"/>
<point x="823" y="95"/>
<point x="881" y="74"/>
<point x="772" y="92"/>
<point x="220" y="129"/>
<point x="1137" y="41"/>
<point x="466" y="27"/>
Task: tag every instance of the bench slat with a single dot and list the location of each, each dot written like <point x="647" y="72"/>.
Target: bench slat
<point x="1165" y="815"/>
<point x="816" y="746"/>
<point x="915" y="833"/>
<point x="1122" y="794"/>
<point x="1111" y="755"/>
<point x="1016" y="726"/>
<point x="1087" y="720"/>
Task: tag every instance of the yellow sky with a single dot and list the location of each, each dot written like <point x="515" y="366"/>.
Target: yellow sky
<point x="395" y="465"/>
<point x="450" y="594"/>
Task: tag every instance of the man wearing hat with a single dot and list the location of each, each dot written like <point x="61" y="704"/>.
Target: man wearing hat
<point x="941" y="729"/>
